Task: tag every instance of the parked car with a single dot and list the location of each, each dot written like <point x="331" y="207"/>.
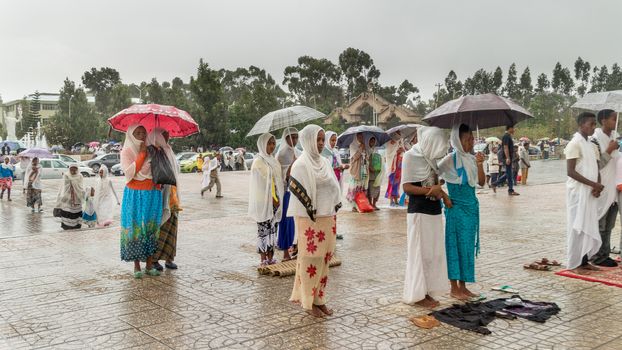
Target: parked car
<point x="534" y="151"/>
<point x="190" y="165"/>
<point x="54" y="169"/>
<point x="184" y="156"/>
<point x="110" y="160"/>
<point x="116" y="170"/>
<point x="65" y="158"/>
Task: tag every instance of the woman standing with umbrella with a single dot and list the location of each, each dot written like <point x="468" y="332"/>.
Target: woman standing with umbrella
<point x="34" y="187"/>
<point x="314" y="204"/>
<point x="141" y="210"/>
<point x="463" y="172"/>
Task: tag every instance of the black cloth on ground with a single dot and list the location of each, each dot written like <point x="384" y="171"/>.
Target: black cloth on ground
<point x="476" y="316"/>
<point x="422" y="204"/>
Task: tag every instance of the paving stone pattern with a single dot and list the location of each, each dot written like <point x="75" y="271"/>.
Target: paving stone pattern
<point x="69" y="290"/>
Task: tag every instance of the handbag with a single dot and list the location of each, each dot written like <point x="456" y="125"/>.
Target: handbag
<point x="162" y="172"/>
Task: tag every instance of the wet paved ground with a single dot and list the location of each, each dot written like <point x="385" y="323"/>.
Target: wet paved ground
<point x="69" y="289"/>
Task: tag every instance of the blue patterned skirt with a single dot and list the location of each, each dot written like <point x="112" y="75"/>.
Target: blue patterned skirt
<point x="141" y="214"/>
<point x="287" y="228"/>
<point x="462" y="232"/>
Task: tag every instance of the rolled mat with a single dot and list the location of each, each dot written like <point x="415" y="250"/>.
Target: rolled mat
<point x="287" y="268"/>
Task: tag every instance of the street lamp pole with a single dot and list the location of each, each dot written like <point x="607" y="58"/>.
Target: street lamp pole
<point x="70" y="98"/>
<point x="140" y="93"/>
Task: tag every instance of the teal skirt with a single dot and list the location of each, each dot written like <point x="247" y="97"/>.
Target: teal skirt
<point x="141" y="215"/>
<point x="462" y="233"/>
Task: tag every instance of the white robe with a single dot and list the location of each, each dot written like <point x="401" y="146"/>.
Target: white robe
<point x="426" y="265"/>
<point x="607" y="173"/>
<point x="582" y="208"/>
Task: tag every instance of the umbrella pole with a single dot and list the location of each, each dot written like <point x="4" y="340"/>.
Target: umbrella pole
<point x="617" y="120"/>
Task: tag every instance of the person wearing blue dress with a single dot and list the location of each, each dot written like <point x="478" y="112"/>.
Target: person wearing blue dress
<point x="462" y="171"/>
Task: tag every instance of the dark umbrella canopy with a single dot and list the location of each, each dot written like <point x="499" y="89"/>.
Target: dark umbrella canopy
<point x="478" y="112"/>
<point x="345" y="139"/>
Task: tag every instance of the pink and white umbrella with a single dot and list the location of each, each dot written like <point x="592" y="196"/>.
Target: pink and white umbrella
<point x="176" y="121"/>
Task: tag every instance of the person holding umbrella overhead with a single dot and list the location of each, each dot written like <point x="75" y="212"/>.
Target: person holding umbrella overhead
<point x="463" y="172"/>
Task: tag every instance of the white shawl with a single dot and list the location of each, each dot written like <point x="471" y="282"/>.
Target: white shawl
<point x="129" y="154"/>
<point x="583" y="234"/>
<point x="208" y="166"/>
<point x="71" y="192"/>
<point x="287" y="154"/>
<point x="316" y="175"/>
<point x="608" y="174"/>
<point x="89" y="202"/>
<point x="465" y="164"/>
<point x="36" y="182"/>
<point x="331" y="153"/>
<point x="265" y="172"/>
<point x="392" y="147"/>
<point x="104" y="204"/>
<point x="419" y="163"/>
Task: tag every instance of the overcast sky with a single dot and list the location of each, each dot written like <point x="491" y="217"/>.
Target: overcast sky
<point x="42" y="42"/>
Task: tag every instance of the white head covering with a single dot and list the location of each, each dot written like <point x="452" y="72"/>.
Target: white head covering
<point x="458" y="164"/>
<point x="129" y="154"/>
<point x="314" y="173"/>
<point x="89" y="202"/>
<point x="287" y="154"/>
<point x="419" y="163"/>
<point x="329" y="152"/>
<point x="265" y="172"/>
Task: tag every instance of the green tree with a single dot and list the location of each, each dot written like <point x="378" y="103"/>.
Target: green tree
<point x="154" y="93"/>
<point x="599" y="79"/>
<point x="511" y="88"/>
<point x="358" y="71"/>
<point x="100" y="82"/>
<point x="453" y="85"/>
<point x="315" y="82"/>
<point x="399" y="95"/>
<point x="81" y="126"/>
<point x="525" y="87"/>
<point x="582" y="73"/>
<point x="543" y="83"/>
<point x="562" y="80"/>
<point x="614" y="80"/>
<point x="208" y="108"/>
<point x="497" y="81"/>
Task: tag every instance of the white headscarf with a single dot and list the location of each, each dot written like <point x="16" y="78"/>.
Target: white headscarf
<point x="104" y="204"/>
<point x="328" y="151"/>
<point x="391" y="147"/>
<point x="311" y="169"/>
<point x="156" y="138"/>
<point x="71" y="192"/>
<point x="89" y="202"/>
<point x="287" y="154"/>
<point x="458" y="164"/>
<point x="419" y="162"/>
<point x="129" y="154"/>
<point x="265" y="172"/>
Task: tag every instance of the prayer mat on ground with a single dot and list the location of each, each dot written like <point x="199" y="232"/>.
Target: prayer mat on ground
<point x="611" y="276"/>
<point x="287" y="268"/>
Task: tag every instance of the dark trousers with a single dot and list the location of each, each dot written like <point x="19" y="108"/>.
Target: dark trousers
<point x="605" y="225"/>
<point x="507" y="176"/>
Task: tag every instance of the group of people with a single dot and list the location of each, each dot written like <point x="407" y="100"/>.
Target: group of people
<point x="594" y="190"/>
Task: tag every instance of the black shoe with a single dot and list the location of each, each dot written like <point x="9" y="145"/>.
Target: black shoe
<point x="339" y="236"/>
<point x="171" y="266"/>
<point x="608" y="262"/>
<point x="156" y="265"/>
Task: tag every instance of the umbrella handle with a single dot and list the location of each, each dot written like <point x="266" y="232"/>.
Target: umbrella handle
<point x="617" y="120"/>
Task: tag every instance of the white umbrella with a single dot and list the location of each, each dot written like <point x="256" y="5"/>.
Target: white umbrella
<point x="596" y="101"/>
<point x="285" y="117"/>
<point x="493" y="140"/>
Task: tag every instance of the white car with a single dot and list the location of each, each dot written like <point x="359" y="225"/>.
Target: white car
<point x="54" y="169"/>
<point x="66" y="159"/>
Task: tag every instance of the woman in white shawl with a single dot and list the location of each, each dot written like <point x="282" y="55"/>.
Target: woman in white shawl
<point x="167" y="239"/>
<point x="34" y="187"/>
<point x="426" y="266"/>
<point x="104" y="201"/>
<point x="395" y="153"/>
<point x="141" y="210"/>
<point x="286" y="156"/>
<point x="69" y="200"/>
<point x="463" y="172"/>
<point x="359" y="170"/>
<point x="264" y="202"/>
<point x="331" y="153"/>
<point x="314" y="205"/>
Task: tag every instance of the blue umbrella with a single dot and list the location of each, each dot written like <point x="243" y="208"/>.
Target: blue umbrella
<point x="14" y="145"/>
<point x="344" y="140"/>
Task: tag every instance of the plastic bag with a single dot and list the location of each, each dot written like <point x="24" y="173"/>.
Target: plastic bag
<point x="362" y="203"/>
<point x="162" y="172"/>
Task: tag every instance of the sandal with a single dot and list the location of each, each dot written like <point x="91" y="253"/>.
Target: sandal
<point x="547" y="262"/>
<point x="152" y="272"/>
<point x="138" y="275"/>
<point x="477" y="298"/>
<point x="171" y="266"/>
<point x="425" y="322"/>
<point x="537" y="267"/>
<point x="505" y="289"/>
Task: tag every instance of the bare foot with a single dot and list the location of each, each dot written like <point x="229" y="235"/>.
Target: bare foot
<point x="324" y="309"/>
<point x="459" y="296"/>
<point x="433" y="301"/>
<point x="428" y="304"/>
<point x="315" y="312"/>
<point x="465" y="291"/>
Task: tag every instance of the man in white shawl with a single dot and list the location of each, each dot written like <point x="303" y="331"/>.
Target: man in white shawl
<point x="265" y="197"/>
<point x="314" y="205"/>
<point x="426" y="264"/>
<point x="606" y="138"/>
<point x="582" y="191"/>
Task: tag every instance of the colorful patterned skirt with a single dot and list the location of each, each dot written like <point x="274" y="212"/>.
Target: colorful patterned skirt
<point x="167" y="240"/>
<point x="141" y="214"/>
<point x="6" y="183"/>
<point x="286" y="226"/>
<point x="316" y="248"/>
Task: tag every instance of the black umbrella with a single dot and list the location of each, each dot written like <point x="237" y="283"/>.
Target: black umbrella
<point x="345" y="139"/>
<point x="478" y="112"/>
